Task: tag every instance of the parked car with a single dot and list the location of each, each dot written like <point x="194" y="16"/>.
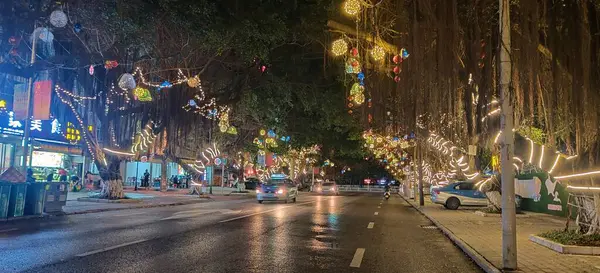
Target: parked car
<point x="252" y="183"/>
<point x="278" y="188"/>
<point x="327" y="188"/>
<point x="462" y="193"/>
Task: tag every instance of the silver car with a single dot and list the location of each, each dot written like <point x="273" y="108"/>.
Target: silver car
<point x="328" y="188"/>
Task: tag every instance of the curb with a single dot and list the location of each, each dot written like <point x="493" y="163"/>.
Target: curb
<point x="472" y="253"/>
<point x="133" y="207"/>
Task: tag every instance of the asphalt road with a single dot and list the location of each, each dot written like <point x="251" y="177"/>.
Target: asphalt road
<point x="360" y="233"/>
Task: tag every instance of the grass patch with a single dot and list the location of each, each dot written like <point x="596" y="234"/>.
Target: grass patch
<point x="571" y="237"/>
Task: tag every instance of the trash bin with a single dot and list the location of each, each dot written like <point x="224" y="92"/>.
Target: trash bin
<point x="4" y="198"/>
<point x="36" y="198"/>
<point x="56" y="196"/>
<point x="16" y="205"/>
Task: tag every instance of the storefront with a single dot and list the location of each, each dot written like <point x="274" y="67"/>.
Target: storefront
<point x="51" y="150"/>
<point x="134" y="171"/>
<point x="50" y="157"/>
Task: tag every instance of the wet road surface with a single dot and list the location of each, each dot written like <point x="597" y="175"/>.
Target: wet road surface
<point x="357" y="233"/>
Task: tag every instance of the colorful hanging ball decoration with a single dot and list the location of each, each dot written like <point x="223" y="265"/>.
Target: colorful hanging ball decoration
<point x="58" y="19"/>
<point x="360" y="76"/>
<point x="396" y="59"/>
<point x="339" y="47"/>
<point x="232" y="130"/>
<point x="397" y="78"/>
<point x="127" y="82"/>
<point x="396" y="69"/>
<point x="165" y="84"/>
<point x="350" y="105"/>
<point x="359" y="98"/>
<point x="378" y="53"/>
<point x="77" y="27"/>
<point x="354" y="51"/>
<point x="404" y="53"/>
<point x="13" y="40"/>
<point x="142" y="94"/>
<point x="110" y="64"/>
<point x="193" y="82"/>
<point x="356" y="89"/>
<point x="44" y="34"/>
<point x="350" y="111"/>
<point x="13" y="52"/>
<point x="192" y="103"/>
<point x="352" y="7"/>
<point x="91" y="70"/>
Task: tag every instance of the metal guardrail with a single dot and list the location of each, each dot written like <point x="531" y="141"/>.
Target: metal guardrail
<point x="356" y="188"/>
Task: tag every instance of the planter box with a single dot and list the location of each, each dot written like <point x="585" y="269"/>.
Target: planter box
<point x="565" y="249"/>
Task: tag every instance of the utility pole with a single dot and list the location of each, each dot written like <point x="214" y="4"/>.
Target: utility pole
<point x="509" y="221"/>
<point x="26" y="130"/>
<point x="415" y="167"/>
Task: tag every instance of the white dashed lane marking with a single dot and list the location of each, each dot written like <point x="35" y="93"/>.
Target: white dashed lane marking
<point x="376" y="213"/>
<point x="371" y="225"/>
<point x="358" y="256"/>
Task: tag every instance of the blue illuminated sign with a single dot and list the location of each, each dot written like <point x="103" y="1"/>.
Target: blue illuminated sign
<point x="42" y="129"/>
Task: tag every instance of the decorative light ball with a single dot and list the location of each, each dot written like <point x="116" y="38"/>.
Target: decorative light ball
<point x="397" y="78"/>
<point x="58" y="18"/>
<point x="359" y="98"/>
<point x="396" y="59"/>
<point x="44" y="34"/>
<point x="352" y="7"/>
<point x="91" y="70"/>
<point x="77" y="27"/>
<point x="356" y="89"/>
<point x="127" y="82"/>
<point x="397" y="69"/>
<point x="339" y="47"/>
<point x="354" y="51"/>
<point x="351" y="98"/>
<point x="378" y="53"/>
<point x="193" y="82"/>
<point x="350" y="105"/>
<point x="262" y="132"/>
<point x="223" y="129"/>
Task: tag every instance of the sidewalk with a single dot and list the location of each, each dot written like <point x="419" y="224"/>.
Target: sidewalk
<point x="483" y="237"/>
<point x="148" y="199"/>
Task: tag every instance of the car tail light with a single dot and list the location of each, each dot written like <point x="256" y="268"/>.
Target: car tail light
<point x="436" y="191"/>
<point x="333" y="188"/>
<point x="319" y="189"/>
<point x="280" y="191"/>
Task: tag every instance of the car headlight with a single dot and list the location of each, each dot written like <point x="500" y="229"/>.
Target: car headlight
<point x="280" y="191"/>
<point x="257" y="190"/>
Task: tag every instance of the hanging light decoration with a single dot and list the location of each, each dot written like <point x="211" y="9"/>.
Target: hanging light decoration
<point x="378" y="53"/>
<point x="58" y="19"/>
<point x="193" y="82"/>
<point x="352" y="7"/>
<point x="339" y="47"/>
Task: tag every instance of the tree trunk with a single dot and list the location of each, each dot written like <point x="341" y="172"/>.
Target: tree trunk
<point x="111" y="184"/>
<point x="163" y="175"/>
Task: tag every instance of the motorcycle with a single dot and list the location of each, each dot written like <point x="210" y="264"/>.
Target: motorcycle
<point x="386" y="195"/>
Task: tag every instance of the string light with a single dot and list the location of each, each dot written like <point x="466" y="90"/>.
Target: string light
<point x="339" y="47"/>
<point x="577" y="175"/>
<point x="352" y="7"/>
<point x="541" y="157"/>
<point x="118" y="152"/>
<point x="554" y="165"/>
<point x="584" y="188"/>
<point x="378" y="53"/>
<point x="490" y="113"/>
<point x="76" y="97"/>
<point x="58" y="92"/>
<point x="531" y="150"/>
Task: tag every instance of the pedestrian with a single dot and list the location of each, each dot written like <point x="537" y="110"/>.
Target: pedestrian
<point x="62" y="173"/>
<point x="30" y="178"/>
<point x="176" y="181"/>
<point x="50" y="177"/>
<point x="146" y="179"/>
